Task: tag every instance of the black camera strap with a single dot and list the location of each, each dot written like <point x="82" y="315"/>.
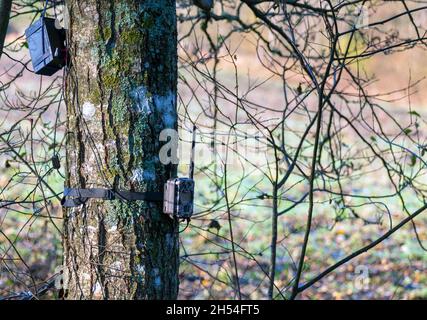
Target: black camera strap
<point x="74" y="197"/>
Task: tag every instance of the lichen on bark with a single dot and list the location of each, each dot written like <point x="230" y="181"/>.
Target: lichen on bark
<point x="121" y="92"/>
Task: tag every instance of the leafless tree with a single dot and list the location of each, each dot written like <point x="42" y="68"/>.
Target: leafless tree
<point x="295" y="138"/>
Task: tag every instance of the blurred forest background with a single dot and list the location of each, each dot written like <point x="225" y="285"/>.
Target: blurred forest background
<point x="251" y="114"/>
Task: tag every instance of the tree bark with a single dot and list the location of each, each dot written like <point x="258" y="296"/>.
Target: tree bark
<point x="121" y="93"/>
<point x="5" y="7"/>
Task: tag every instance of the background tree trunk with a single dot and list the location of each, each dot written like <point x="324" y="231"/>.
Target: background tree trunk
<point x="121" y="92"/>
<point x="5" y="7"/>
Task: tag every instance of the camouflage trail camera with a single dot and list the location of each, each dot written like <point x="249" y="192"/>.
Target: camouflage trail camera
<point x="178" y="198"/>
<point x="47" y="46"/>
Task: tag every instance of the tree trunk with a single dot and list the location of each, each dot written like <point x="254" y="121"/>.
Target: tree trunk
<point x="121" y="93"/>
<point x="5" y="7"/>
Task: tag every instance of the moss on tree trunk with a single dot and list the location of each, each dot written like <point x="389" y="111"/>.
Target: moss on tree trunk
<point x="121" y="92"/>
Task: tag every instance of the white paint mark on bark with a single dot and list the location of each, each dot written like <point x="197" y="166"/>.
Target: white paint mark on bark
<point x="165" y="106"/>
<point x="140" y="269"/>
<point x="88" y="110"/>
<point x="142" y="100"/>
<point x="97" y="289"/>
<point x="112" y="229"/>
<point x="140" y="175"/>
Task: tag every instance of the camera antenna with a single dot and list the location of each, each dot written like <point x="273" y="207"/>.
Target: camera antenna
<point x="193" y="151"/>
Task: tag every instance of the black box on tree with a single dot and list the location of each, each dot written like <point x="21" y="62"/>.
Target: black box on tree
<point x="47" y="46"/>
